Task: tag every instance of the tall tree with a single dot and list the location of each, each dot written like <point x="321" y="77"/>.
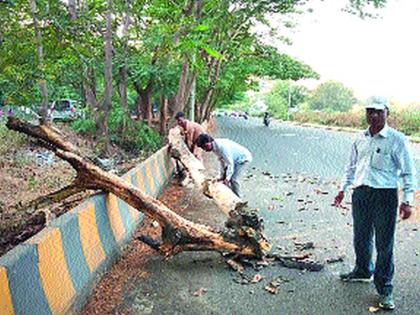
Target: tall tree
<point x="102" y="118"/>
<point x="278" y="98"/>
<point x="41" y="68"/>
<point x="123" y="67"/>
<point x="332" y="96"/>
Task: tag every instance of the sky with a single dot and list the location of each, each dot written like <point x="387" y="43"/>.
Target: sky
<point x="372" y="56"/>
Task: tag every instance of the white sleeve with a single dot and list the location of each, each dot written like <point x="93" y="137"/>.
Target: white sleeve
<point x="350" y="170"/>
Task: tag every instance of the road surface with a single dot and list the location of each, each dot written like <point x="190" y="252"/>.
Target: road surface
<point x="293" y="179"/>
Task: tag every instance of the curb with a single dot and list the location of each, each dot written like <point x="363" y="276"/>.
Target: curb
<point x="54" y="271"/>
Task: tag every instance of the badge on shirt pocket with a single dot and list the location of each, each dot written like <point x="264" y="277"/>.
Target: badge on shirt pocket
<point x="381" y="159"/>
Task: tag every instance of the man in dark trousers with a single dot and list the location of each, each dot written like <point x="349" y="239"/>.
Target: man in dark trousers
<point x="233" y="158"/>
<point x="380" y="156"/>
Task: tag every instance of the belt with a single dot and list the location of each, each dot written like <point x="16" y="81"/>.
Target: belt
<point x="368" y="188"/>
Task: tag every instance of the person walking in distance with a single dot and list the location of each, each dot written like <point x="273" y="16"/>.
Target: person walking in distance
<point x="380" y="156"/>
<point x="234" y="159"/>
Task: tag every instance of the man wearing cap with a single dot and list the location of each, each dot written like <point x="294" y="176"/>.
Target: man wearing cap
<point x="380" y="155"/>
<point x="233" y="158"/>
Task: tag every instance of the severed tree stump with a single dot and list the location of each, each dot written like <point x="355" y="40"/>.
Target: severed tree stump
<point x="242" y="236"/>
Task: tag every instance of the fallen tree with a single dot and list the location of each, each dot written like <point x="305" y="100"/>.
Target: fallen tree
<point x="243" y="232"/>
<point x="223" y="196"/>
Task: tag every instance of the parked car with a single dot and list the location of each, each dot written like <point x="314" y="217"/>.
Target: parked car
<point x="219" y="113"/>
<point x="239" y="115"/>
<point x="234" y="115"/>
<point x="244" y="115"/>
<point x="65" y="109"/>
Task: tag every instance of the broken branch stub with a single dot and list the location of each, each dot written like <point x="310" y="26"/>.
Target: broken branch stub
<point x="178" y="234"/>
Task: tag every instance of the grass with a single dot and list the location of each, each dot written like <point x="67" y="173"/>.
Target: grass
<point x="10" y="141"/>
<point x="406" y="121"/>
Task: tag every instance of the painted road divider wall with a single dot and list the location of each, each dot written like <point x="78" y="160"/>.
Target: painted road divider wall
<point x="54" y="271"/>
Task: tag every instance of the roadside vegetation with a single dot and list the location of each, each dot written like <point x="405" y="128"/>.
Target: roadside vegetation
<point x="131" y="66"/>
<point x="405" y="119"/>
<point x="133" y="136"/>
<point x="330" y="103"/>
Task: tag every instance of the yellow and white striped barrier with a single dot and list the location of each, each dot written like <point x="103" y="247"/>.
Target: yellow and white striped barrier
<point x="52" y="272"/>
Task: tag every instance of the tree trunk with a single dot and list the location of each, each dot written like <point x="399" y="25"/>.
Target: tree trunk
<point x="205" y="104"/>
<point x="144" y="101"/>
<point x="189" y="87"/>
<point x="164" y="117"/>
<point x="214" y="67"/>
<point x="71" y="6"/>
<point x="148" y="108"/>
<point x="243" y="236"/>
<point x="185" y="85"/>
<point x="40" y="53"/>
<point x="107" y="100"/>
<point x="122" y="84"/>
<point x="177" y="106"/>
<point x="211" y="106"/>
<point x="89" y="85"/>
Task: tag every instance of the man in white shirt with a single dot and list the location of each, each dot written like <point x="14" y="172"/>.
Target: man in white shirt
<point x="233" y="157"/>
<point x="380" y="156"/>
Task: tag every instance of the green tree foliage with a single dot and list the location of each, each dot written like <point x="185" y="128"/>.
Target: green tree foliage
<point x="137" y="135"/>
<point x="332" y="96"/>
<point x="213" y="40"/>
<point x="277" y="99"/>
<point x="266" y="61"/>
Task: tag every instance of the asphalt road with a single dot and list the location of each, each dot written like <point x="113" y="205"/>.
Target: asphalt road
<point x="283" y="147"/>
<point x="293" y="179"/>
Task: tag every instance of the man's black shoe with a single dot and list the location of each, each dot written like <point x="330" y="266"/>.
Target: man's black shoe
<point x="355" y="277"/>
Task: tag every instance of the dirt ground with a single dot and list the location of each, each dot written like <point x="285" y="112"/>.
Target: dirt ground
<point x="28" y="171"/>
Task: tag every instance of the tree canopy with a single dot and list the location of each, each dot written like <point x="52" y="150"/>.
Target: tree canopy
<point x="332" y="96"/>
<point x="131" y="54"/>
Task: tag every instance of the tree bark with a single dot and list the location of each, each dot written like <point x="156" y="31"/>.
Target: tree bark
<point x="122" y="84"/>
<point x="243" y="236"/>
<point x="148" y="104"/>
<point x="102" y="123"/>
<point x="210" y="107"/>
<point x="214" y="67"/>
<point x="177" y="106"/>
<point x="57" y="196"/>
<point x="205" y="104"/>
<point x="164" y="117"/>
<point x="40" y="53"/>
<point x="212" y="104"/>
<point x="185" y="85"/>
<point x="89" y="86"/>
<point x="144" y="101"/>
<point x="71" y="6"/>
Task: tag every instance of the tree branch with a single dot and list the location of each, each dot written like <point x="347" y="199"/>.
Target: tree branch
<point x="243" y="233"/>
<point x="54" y="197"/>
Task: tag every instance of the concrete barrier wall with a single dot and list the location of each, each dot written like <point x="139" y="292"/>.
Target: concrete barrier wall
<point x="53" y="272"/>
